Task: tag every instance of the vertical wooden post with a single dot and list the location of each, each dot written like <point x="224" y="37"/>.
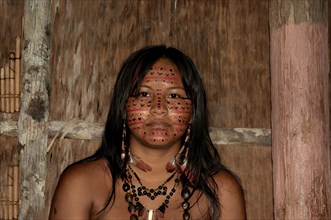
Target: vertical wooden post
<point x="300" y="109"/>
<point x="33" y="116"/>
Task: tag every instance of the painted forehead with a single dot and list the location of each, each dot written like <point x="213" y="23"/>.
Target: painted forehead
<point x="164" y="71"/>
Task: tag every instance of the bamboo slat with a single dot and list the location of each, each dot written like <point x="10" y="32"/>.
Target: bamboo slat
<point x="17" y="73"/>
<point x="7" y="88"/>
<point x="10" y="192"/>
<point x="3" y="206"/>
<point x="2" y="90"/>
<point x="9" y="197"/>
<point x="15" y="190"/>
<point x="11" y="82"/>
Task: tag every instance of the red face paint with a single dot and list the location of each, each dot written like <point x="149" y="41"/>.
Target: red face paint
<point x="161" y="112"/>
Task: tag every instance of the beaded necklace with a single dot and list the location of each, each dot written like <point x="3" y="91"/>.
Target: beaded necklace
<point x="151" y="193"/>
<point x="131" y="196"/>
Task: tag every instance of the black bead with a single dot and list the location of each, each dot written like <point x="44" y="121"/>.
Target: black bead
<point x="126" y="187"/>
<point x="128" y="197"/>
<point x="152" y="190"/>
<point x="186" y="216"/>
<point x="160" y="187"/>
<point x="152" y="197"/>
<point x="185" y="193"/>
<point x="186" y="205"/>
<point x="134" y="217"/>
<point x="139" y="206"/>
<point x="162" y="208"/>
<point x="131" y="208"/>
<point x="140" y="193"/>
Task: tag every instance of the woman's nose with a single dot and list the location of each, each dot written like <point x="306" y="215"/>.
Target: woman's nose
<point x="159" y="105"/>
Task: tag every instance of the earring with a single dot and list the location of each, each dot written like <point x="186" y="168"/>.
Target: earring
<point x="179" y="162"/>
<point x="123" y="154"/>
<point x="132" y="159"/>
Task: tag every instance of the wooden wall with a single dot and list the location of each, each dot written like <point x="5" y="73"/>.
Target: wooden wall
<point x="10" y="26"/>
<point x="228" y="39"/>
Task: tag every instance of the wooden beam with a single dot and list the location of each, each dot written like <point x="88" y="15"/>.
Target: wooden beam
<point x="77" y="129"/>
<point x="300" y="109"/>
<point x="33" y="116"/>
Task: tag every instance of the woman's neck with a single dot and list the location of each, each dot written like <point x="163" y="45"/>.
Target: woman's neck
<point x="156" y="158"/>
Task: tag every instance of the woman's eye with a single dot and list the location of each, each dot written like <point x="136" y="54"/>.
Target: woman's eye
<point x="143" y="94"/>
<point x="174" y="96"/>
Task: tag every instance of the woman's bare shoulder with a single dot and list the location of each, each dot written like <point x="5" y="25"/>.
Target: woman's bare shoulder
<point x="75" y="192"/>
<point x="85" y="172"/>
<point x="231" y="196"/>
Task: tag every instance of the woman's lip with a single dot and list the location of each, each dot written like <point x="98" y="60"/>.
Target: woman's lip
<point x="158" y="124"/>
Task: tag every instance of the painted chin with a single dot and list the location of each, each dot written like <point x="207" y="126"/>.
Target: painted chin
<point x="157" y="134"/>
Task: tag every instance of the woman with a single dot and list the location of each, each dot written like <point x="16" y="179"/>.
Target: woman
<point x="156" y="159"/>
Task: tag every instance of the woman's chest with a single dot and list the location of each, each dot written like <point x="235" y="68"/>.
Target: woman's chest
<point x="163" y="207"/>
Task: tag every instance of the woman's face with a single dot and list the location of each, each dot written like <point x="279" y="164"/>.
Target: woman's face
<point x="161" y="112"/>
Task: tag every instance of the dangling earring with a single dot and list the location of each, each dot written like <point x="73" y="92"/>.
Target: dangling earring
<point x="179" y="162"/>
<point x="132" y="159"/>
<point x="123" y="154"/>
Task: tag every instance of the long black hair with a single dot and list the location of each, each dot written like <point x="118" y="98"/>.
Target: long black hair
<point x="203" y="158"/>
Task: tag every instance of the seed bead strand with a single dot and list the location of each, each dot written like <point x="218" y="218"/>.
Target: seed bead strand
<point x="151" y="193"/>
<point x="131" y="197"/>
<point x="186" y="194"/>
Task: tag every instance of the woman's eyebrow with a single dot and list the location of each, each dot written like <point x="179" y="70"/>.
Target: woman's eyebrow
<point x="168" y="88"/>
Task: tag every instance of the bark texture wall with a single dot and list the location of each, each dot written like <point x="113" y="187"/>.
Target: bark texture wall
<point x="33" y="117"/>
<point x="228" y="39"/>
<point x="10" y="26"/>
<point x="300" y="118"/>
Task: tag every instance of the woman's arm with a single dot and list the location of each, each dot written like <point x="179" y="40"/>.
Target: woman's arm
<point x="73" y="195"/>
<point x="231" y="197"/>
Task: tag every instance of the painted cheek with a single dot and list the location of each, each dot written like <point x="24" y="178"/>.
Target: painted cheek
<point x="137" y="109"/>
<point x="180" y="111"/>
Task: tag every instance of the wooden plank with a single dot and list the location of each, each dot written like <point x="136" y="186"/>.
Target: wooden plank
<point x="78" y="129"/>
<point x="229" y="41"/>
<point x="300" y="68"/>
<point x="253" y="165"/>
<point x="231" y="52"/>
<point x="33" y="117"/>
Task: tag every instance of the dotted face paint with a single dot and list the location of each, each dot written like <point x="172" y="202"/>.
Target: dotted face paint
<point x="161" y="112"/>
